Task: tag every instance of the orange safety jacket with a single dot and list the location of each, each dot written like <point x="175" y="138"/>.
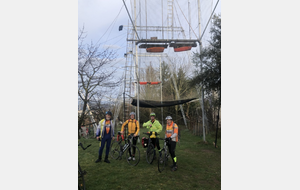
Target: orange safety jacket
<point x="172" y="131"/>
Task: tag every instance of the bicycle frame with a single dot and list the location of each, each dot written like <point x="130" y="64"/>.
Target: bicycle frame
<point x="163" y="160"/>
<point x="126" y="145"/>
<point x="81" y="172"/>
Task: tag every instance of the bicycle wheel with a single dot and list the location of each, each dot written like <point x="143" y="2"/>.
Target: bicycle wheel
<point x="162" y="160"/>
<point x="81" y="183"/>
<point x="150" y="154"/>
<point x="134" y="159"/>
<point x="115" y="150"/>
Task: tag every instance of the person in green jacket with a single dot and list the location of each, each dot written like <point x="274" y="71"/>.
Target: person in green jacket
<point x="154" y="129"/>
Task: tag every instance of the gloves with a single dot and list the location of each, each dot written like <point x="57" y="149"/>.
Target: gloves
<point x="169" y="139"/>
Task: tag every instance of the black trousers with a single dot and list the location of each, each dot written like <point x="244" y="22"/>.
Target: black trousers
<point x="172" y="146"/>
<point x="155" y="141"/>
<point x="134" y="140"/>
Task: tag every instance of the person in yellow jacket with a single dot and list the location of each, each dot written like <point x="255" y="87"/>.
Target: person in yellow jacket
<point x="133" y="129"/>
<point x="154" y="129"/>
<point x="172" y="135"/>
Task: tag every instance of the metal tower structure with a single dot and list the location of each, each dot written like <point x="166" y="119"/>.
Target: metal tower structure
<point x="133" y="40"/>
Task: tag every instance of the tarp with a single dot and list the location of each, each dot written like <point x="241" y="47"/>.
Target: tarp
<point x="155" y="104"/>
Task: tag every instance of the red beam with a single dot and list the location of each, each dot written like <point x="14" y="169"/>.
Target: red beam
<point x="151" y="83"/>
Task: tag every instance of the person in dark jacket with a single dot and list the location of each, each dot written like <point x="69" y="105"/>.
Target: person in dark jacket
<point x="105" y="132"/>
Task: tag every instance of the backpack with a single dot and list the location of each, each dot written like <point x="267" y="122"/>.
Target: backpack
<point x="132" y="122"/>
<point x="145" y="142"/>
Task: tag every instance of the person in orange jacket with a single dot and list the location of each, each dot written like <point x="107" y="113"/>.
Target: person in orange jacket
<point x="133" y="129"/>
<point x="172" y="135"/>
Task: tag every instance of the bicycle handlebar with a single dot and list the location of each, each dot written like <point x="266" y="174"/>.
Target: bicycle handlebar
<point x="163" y="138"/>
<point x="131" y="136"/>
<point x="151" y="133"/>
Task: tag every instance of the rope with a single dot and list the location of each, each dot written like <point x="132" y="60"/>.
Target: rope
<point x="131" y="21"/>
<point x="111" y="24"/>
<point x="209" y="20"/>
<point x="179" y="22"/>
<point x="186" y="19"/>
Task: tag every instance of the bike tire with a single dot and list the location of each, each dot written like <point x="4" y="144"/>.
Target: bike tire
<point x="150" y="154"/>
<point x="81" y="182"/>
<point x="137" y="156"/>
<point x="162" y="161"/>
<point x="115" y="150"/>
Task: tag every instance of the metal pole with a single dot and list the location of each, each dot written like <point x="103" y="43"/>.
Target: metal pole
<point x="138" y="78"/>
<point x="124" y="106"/>
<point x="202" y="90"/>
<point x="130" y="17"/>
<point x="146" y="16"/>
<point x="172" y="20"/>
<point x="189" y="8"/>
<point x="162" y="110"/>
<point x="162" y="18"/>
<point x="124" y="92"/>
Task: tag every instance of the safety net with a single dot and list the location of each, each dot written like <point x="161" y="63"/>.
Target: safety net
<point x="154" y="104"/>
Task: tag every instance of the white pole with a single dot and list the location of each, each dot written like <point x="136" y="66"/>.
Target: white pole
<point x="138" y="70"/>
<point x="146" y="16"/>
<point x="162" y="113"/>
<point x="162" y="18"/>
<point x="202" y="91"/>
<point x="189" y="8"/>
<point x="172" y="20"/>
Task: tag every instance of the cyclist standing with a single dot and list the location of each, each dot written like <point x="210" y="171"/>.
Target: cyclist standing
<point x="133" y="129"/>
<point x="172" y="134"/>
<point x="105" y="132"/>
<point x="154" y="127"/>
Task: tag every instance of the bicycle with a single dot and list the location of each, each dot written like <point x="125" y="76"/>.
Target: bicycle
<point x="150" y="153"/>
<point x="115" y="147"/>
<point x="164" y="156"/>
<point x="117" y="150"/>
<point x="81" y="186"/>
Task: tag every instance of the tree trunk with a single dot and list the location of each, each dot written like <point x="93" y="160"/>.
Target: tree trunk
<point x="82" y="116"/>
<point x="217" y="126"/>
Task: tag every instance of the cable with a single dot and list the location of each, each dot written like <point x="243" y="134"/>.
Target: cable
<point x="179" y="23"/>
<point x="186" y="19"/>
<point x="131" y="21"/>
<point x="111" y="24"/>
<point x="209" y="20"/>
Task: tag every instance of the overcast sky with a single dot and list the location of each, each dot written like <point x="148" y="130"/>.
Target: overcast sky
<point x="101" y="20"/>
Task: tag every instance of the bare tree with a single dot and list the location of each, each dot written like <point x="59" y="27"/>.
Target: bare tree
<point x="92" y="72"/>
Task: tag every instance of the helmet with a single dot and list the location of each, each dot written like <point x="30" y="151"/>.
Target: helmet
<point x="152" y="114"/>
<point x="132" y="113"/>
<point x="168" y="117"/>
<point x="108" y="113"/>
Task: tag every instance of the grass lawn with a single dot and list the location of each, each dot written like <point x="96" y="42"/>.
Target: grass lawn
<point x="199" y="167"/>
